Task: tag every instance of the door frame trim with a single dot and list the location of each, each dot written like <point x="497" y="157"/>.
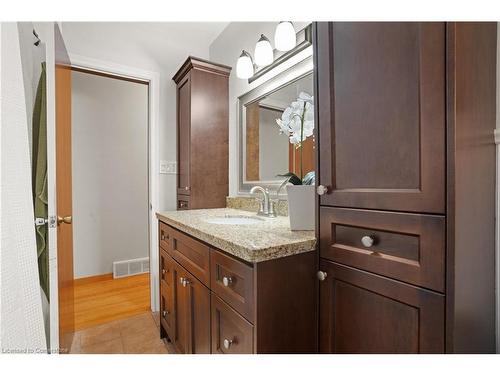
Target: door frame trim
<point x="153" y="79"/>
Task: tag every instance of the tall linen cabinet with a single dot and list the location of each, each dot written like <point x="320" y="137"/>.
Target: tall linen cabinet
<point x="406" y="207"/>
<point x="202" y="134"/>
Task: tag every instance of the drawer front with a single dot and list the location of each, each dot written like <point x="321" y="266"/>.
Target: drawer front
<point x="183" y="202"/>
<point x="167" y="309"/>
<point x="164" y="237"/>
<point x="232" y="280"/>
<point x="231" y="333"/>
<point x="407" y="247"/>
<point x="363" y="313"/>
<point x="191" y="254"/>
<point x="166" y="268"/>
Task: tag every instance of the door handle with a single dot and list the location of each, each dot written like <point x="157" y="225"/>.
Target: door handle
<point x="65" y="220"/>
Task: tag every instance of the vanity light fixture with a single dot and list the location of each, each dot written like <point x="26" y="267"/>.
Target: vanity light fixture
<point x="263" y="51"/>
<point x="284" y="37"/>
<point x="244" y="66"/>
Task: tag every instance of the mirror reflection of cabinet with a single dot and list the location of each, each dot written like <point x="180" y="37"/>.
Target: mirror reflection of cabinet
<point x="265" y="152"/>
<point x="202" y="134"/>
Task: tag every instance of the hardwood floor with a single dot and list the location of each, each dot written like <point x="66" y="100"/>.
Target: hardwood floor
<point x="102" y="299"/>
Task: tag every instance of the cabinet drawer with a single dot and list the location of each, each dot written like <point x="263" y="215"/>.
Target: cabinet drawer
<point x="407" y="247"/>
<point x="232" y="280"/>
<point x="183" y="202"/>
<point x="231" y="333"/>
<point x="361" y="312"/>
<point x="191" y="254"/>
<point x="167" y="318"/>
<point x="164" y="237"/>
<point x="166" y="268"/>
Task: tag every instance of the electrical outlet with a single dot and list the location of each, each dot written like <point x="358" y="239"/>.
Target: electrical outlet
<point x="168" y="167"/>
<point x="163" y="166"/>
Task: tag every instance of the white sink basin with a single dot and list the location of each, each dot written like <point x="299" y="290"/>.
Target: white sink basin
<point x="234" y="220"/>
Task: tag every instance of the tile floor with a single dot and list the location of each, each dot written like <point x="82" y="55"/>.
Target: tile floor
<point x="136" y="335"/>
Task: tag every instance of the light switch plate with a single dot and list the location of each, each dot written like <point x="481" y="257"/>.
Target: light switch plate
<point x="168" y="167"/>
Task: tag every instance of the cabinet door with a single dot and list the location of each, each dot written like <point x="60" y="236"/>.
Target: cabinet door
<point x="381" y="115"/>
<point x="231" y="333"/>
<point x="364" y="313"/>
<point x="192" y="313"/>
<point x="167" y="317"/>
<point x="184" y="134"/>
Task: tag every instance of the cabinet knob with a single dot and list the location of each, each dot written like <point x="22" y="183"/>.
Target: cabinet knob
<point x="163" y="271"/>
<point x="165" y="313"/>
<point x="321" y="189"/>
<point x="186" y="188"/>
<point x="367" y="241"/>
<point x="227" y="280"/>
<point x="321" y="275"/>
<point x="162" y="237"/>
<point x="184" y="281"/>
<point x="227" y="343"/>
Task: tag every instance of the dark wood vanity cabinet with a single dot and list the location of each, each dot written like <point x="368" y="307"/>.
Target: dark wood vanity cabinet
<point x="405" y="115"/>
<point x="212" y="302"/>
<point x="202" y="134"/>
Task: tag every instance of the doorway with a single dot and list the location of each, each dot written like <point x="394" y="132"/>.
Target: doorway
<point x="111" y="224"/>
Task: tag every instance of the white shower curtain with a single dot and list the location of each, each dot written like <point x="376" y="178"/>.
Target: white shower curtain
<point x="21" y="319"/>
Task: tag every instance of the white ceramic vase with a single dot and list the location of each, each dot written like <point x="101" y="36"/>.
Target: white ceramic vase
<point x="301" y="206"/>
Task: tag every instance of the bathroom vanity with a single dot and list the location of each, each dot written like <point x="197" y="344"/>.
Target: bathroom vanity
<point x="232" y="282"/>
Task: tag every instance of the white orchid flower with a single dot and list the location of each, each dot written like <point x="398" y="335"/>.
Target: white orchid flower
<point x="305" y="97"/>
<point x="297" y="120"/>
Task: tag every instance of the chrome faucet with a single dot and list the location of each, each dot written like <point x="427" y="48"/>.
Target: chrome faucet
<point x="266" y="205"/>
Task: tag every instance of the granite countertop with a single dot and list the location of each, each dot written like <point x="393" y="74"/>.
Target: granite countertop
<point x="266" y="240"/>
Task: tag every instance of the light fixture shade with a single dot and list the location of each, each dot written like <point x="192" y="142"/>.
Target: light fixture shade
<point x="244" y="66"/>
<point x="284" y="37"/>
<point x="263" y="52"/>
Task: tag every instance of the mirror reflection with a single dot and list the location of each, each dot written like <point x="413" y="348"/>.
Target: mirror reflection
<point x="270" y="150"/>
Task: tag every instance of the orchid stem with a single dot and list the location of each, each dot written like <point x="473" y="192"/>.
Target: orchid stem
<point x="301" y="140"/>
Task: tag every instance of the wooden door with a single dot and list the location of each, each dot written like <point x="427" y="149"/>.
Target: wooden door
<point x="364" y="313"/>
<point x="231" y="333"/>
<point x="381" y="115"/>
<point x="64" y="194"/>
<point x="308" y="150"/>
<point x="192" y="313"/>
<point x="184" y="135"/>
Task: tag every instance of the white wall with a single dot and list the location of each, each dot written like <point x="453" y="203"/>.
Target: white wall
<point x="226" y="49"/>
<point x="157" y="47"/>
<point x="110" y="172"/>
<point x="273" y="146"/>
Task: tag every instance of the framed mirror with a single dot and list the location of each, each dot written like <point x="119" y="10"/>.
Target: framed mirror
<point x="264" y="151"/>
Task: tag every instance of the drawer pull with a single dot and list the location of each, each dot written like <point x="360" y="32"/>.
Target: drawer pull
<point x="322" y="190"/>
<point x="228" y="343"/>
<point x="184" y="281"/>
<point x="182" y="204"/>
<point x="165" y="313"/>
<point x="368" y="241"/>
<point x="321" y="275"/>
<point x="227" y="280"/>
